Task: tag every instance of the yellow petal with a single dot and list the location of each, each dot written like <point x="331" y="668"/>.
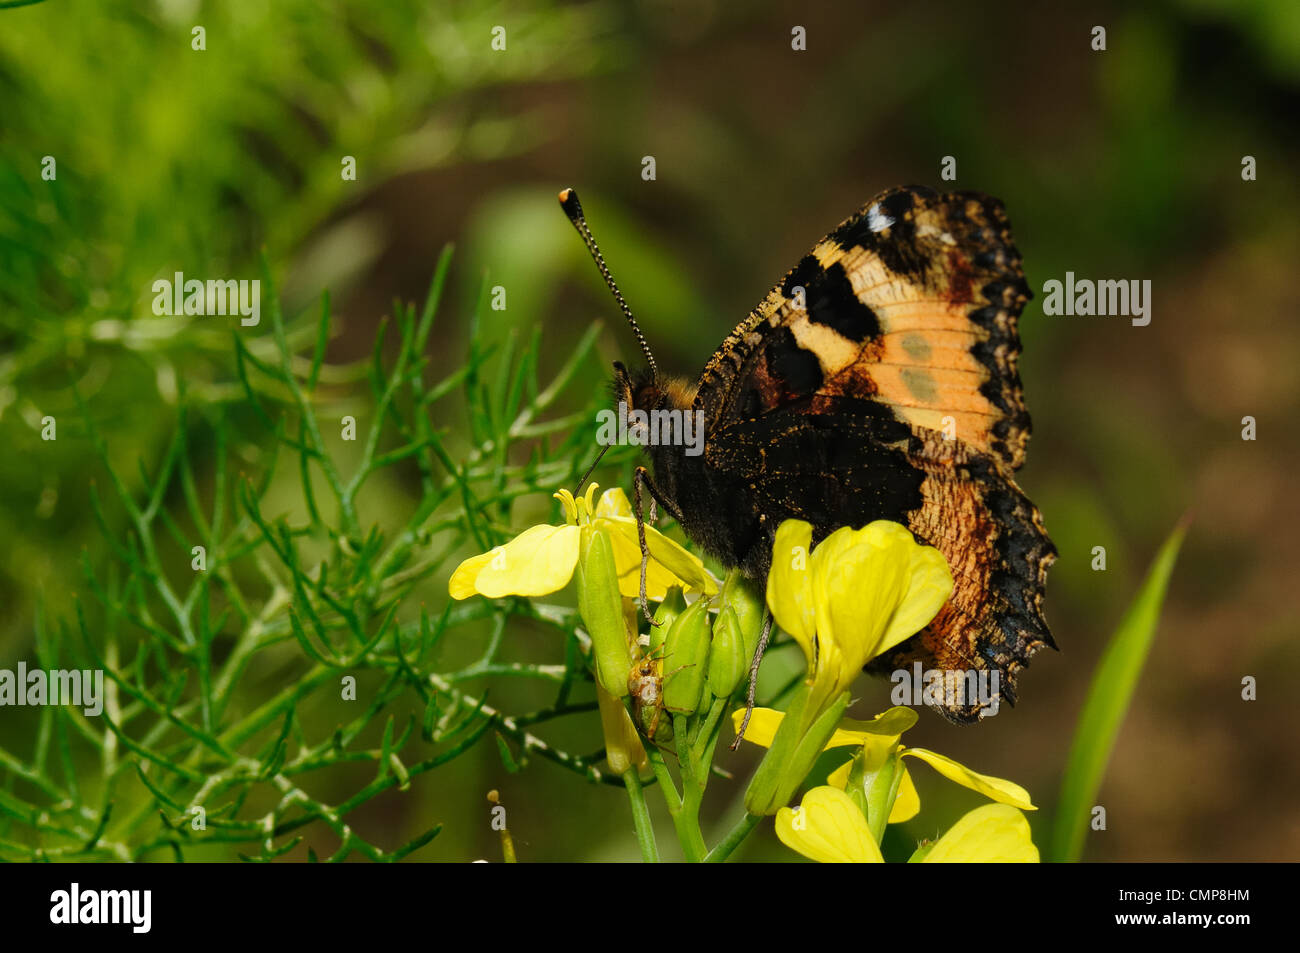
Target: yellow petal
<point x="875" y="587"/>
<point x="461" y="584"/>
<point x="855" y="589"/>
<point x="839" y="778"/>
<point x="828" y="828"/>
<point x="627" y="562"/>
<point x="670" y="564"/>
<point x="992" y="834"/>
<point x="538" y="561"/>
<point x="850" y="732"/>
<point x="762" y="724"/>
<point x="929" y="584"/>
<point x="623" y="747"/>
<point x="907" y="804"/>
<point x="846" y="584"/>
<point x="846" y="735"/>
<point x="789" y="583"/>
<point x="890" y="723"/>
<point x="613" y="502"/>
<point x="1006" y="792"/>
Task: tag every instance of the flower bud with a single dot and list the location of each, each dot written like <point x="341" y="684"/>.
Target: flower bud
<point x="799" y="741"/>
<point x="672" y="606"/>
<point x="739" y="594"/>
<point x="727" y="660"/>
<point x="601" y="606"/>
<point x="686" y="658"/>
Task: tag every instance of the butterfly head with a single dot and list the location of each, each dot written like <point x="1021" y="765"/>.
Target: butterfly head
<point x="645" y="390"/>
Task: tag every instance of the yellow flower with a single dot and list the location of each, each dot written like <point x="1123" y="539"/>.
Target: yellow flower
<point x="828" y="827"/>
<point x="880" y="734"/>
<point x="992" y="834"/>
<point x="858" y="594"/>
<point x="542" y="558"/>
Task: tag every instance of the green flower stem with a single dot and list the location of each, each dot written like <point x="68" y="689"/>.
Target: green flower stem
<point x="645" y="832"/>
<point x="735" y="837"/>
<point x="685" y="815"/>
<point x="807" y="726"/>
<point x="706" y="736"/>
<point x="687" y="820"/>
<point x="665" y="779"/>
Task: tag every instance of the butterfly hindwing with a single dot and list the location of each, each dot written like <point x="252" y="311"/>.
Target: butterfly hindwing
<point x="998" y="552"/>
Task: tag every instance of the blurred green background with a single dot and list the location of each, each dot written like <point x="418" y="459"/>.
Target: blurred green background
<point x="1117" y="164"/>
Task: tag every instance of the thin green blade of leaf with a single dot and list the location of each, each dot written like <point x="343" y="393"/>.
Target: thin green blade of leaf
<point x="507" y="759"/>
<point x="1108" y="700"/>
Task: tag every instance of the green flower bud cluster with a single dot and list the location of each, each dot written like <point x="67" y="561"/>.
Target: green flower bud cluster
<point x="695" y="657"/>
<point x="696" y="661"/>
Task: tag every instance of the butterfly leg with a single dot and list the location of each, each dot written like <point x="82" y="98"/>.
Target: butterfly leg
<point x="655" y="496"/>
<point x="643" y="477"/>
<point x="753" y="677"/>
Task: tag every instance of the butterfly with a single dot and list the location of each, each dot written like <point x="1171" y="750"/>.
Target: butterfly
<point x="877" y="380"/>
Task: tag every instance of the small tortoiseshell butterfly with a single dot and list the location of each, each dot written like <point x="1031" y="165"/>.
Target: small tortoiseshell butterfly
<point x="878" y="380"/>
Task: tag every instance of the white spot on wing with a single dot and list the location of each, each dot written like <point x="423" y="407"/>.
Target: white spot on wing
<point x="877" y="220"/>
<point x="931" y="231"/>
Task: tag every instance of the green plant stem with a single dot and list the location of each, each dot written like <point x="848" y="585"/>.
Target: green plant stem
<point x="707" y="735"/>
<point x="735" y="837"/>
<point x="687" y="823"/>
<point x="693" y="782"/>
<point x="645" y="832"/>
<point x="665" y="779"/>
<point x="684" y="808"/>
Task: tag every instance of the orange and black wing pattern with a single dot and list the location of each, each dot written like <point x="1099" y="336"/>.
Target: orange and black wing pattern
<point x="878" y="380"/>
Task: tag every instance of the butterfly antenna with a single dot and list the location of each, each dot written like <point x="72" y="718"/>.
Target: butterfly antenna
<point x="590" y="470"/>
<point x="573" y="208"/>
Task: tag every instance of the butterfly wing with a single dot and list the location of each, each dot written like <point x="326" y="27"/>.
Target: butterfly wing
<point x="879" y="381"/>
